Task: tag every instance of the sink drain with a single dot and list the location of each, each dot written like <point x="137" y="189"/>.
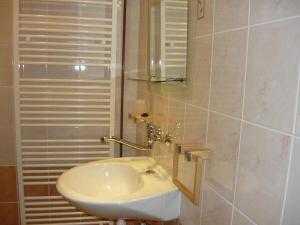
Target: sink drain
<point x="149" y="172"/>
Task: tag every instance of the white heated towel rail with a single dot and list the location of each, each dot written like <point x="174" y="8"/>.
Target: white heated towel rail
<point x="174" y="17"/>
<point x="65" y="67"/>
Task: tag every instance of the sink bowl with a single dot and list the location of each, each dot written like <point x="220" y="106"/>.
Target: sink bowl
<point x="103" y="180"/>
<point x="121" y="188"/>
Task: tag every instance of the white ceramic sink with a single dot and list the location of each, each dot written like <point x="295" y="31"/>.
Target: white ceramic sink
<point x="120" y="188"/>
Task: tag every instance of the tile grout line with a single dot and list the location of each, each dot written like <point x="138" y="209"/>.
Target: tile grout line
<point x="275" y="21"/>
<point x="242" y="116"/>
<point x="248" y="122"/>
<point x="209" y="100"/>
<point x="291" y="151"/>
<point x="246" y="216"/>
<point x="268" y="128"/>
<point x="168" y="114"/>
<point x="255" y="124"/>
<point x="243" y="120"/>
<point x="251" y="26"/>
<point x="230" y="203"/>
<point x="211" y="187"/>
<point x="202" y="36"/>
<point x="184" y="124"/>
<point x="211" y="74"/>
<point x="232" y="30"/>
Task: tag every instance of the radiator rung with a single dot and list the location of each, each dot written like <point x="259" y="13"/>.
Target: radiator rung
<point x="61" y="159"/>
<point x="64" y="146"/>
<point x="65" y="100"/>
<point x="66" y="106"/>
<point x="61" y="219"/>
<point x="64" y="93"/>
<point x="62" y="140"/>
<point x="66" y="44"/>
<point x="75" y="1"/>
<point x="88" y="87"/>
<point x="46" y="165"/>
<point x="42" y="171"/>
<point x="47" y="23"/>
<point x="50" y="209"/>
<point x="71" y="31"/>
<point x="22" y="56"/>
<point x="63" y="125"/>
<point x="23" y="62"/>
<point x="65" y="17"/>
<point x="65" y="80"/>
<point x="64" y="153"/>
<point x="63" y="51"/>
<point x="54" y="214"/>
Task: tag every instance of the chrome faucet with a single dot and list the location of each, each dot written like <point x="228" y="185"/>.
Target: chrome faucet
<point x="154" y="134"/>
<point x="126" y="143"/>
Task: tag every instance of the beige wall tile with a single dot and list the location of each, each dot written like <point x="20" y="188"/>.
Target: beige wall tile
<point x="195" y="125"/>
<point x="176" y="119"/>
<point x="6" y="107"/>
<point x="130" y="97"/>
<point x="231" y="14"/>
<point x="132" y="36"/>
<point x="216" y="211"/>
<point x="239" y="219"/>
<point x="273" y="68"/>
<point x="262" y="174"/>
<point x="190" y="213"/>
<point x="163" y="155"/>
<point x="266" y="10"/>
<point x="228" y="72"/>
<point x="159" y="110"/>
<point x="7" y="146"/>
<point x="292" y="207"/>
<point x="204" y="25"/>
<point x="223" y="140"/>
<point x="199" y="77"/>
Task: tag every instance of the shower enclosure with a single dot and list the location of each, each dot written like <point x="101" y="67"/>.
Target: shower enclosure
<point x="65" y="54"/>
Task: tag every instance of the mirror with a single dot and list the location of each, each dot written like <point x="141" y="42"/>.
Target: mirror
<point x="168" y="39"/>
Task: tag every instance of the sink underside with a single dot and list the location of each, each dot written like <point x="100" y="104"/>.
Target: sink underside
<point x="120" y="189"/>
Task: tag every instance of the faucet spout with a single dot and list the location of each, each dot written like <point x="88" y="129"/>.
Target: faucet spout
<point x="124" y="142"/>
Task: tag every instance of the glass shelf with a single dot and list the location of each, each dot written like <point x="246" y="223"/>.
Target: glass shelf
<point x="157" y="79"/>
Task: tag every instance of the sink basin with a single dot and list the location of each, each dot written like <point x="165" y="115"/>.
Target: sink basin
<point x="106" y="180"/>
<point x="121" y="188"/>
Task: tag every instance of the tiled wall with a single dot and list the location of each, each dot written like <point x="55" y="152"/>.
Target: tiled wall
<point x="8" y="180"/>
<point x="241" y="100"/>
